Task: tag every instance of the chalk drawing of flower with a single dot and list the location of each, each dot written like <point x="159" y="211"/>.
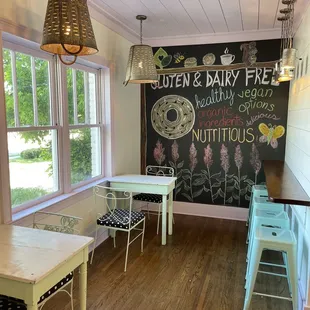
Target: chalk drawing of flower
<point x="255" y="161"/>
<point x="175" y="151"/>
<point x="188" y="175"/>
<point x="238" y="162"/>
<point x="174" y="163"/>
<point x="208" y="163"/>
<point x="158" y="153"/>
<point x="192" y="157"/>
<point x="225" y="165"/>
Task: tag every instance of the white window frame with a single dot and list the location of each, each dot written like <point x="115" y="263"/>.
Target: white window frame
<point x="60" y="123"/>
<point x="68" y="187"/>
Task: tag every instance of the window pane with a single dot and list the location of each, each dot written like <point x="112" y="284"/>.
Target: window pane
<point x="8" y="88"/>
<point x="32" y="90"/>
<point x="43" y="91"/>
<point x="33" y="165"/>
<point x="85" y="154"/>
<point x="24" y="89"/>
<point x="80" y="92"/>
<point x="92" y="98"/>
<point x="70" y="96"/>
<point x="81" y="87"/>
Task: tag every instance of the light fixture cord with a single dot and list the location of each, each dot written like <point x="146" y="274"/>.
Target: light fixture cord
<point x="141" y="31"/>
<point x="292" y="24"/>
<point x="282" y="39"/>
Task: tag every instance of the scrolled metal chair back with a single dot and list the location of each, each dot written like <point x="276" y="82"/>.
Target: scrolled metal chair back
<point x="57" y="222"/>
<point x="160" y="171"/>
<point x="113" y="198"/>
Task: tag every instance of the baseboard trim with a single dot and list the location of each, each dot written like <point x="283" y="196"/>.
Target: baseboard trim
<point x="205" y="210"/>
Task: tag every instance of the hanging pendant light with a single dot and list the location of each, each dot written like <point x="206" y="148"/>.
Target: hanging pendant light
<point x="68" y="30"/>
<point x="285" y="69"/>
<point x="288" y="53"/>
<point x="141" y="66"/>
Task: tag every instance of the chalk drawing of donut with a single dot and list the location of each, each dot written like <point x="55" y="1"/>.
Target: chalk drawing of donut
<point x="173" y="116"/>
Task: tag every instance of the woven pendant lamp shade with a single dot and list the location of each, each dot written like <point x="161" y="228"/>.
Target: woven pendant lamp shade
<point x="141" y="67"/>
<point x="68" y="29"/>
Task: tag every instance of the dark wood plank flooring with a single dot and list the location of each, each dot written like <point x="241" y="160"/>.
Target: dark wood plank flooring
<point x="202" y="267"/>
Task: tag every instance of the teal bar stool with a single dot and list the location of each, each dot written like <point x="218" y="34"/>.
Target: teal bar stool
<point x="273" y="219"/>
<point x="262" y="203"/>
<point x="257" y="191"/>
<point x="275" y="239"/>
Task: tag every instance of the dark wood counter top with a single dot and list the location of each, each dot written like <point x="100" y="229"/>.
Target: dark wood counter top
<point x="282" y="185"/>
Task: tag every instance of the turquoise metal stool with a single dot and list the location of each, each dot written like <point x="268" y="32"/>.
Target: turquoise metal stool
<point x="273" y="219"/>
<point x="257" y="191"/>
<point x="262" y="203"/>
<point x="282" y="240"/>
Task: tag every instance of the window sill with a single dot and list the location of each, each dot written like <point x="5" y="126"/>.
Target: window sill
<point x="56" y="204"/>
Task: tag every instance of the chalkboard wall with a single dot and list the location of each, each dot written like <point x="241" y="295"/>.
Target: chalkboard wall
<point x="214" y="116"/>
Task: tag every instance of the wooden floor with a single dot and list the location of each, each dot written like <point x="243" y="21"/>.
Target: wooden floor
<point x="202" y="267"/>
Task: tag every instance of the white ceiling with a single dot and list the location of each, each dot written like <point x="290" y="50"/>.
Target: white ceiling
<point x="191" y="19"/>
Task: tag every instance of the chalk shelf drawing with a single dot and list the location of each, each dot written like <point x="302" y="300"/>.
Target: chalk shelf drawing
<point x="200" y="68"/>
<point x="226" y="58"/>
<point x="183" y="122"/>
<point x="249" y="53"/>
<point x="162" y="59"/>
<point x="179" y="57"/>
<point x="271" y="134"/>
<point x="208" y="59"/>
<point x="190" y="62"/>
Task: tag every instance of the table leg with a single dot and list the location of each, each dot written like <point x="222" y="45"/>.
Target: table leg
<point x="170" y="215"/>
<point x="164" y="221"/>
<point x="83" y="282"/>
<point x="31" y="299"/>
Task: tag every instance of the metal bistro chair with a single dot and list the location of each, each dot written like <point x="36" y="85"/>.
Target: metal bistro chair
<point x="154" y="198"/>
<point x="58" y="223"/>
<point x="116" y="218"/>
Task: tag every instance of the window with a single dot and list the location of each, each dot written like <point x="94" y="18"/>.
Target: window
<point x="54" y="124"/>
<point x="84" y="125"/>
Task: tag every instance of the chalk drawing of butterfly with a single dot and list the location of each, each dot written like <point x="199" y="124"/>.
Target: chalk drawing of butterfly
<point x="271" y="134"/>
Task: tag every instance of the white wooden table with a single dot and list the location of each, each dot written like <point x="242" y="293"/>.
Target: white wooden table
<point x="33" y="260"/>
<point x="151" y="185"/>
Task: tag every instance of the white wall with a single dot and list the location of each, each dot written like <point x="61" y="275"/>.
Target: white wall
<point x="25" y="18"/>
<point x="298" y="150"/>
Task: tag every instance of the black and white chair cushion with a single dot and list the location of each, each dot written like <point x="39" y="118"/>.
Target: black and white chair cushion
<point x="119" y="218"/>
<point x="10" y="303"/>
<point x="149" y="198"/>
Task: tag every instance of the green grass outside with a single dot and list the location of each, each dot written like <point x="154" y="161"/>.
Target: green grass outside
<point x="21" y="195"/>
<point x="27" y="161"/>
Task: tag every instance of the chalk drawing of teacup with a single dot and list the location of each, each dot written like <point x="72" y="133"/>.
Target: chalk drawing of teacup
<point x="227" y="59"/>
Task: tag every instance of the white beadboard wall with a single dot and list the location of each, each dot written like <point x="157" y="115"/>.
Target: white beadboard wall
<point x="298" y="153"/>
